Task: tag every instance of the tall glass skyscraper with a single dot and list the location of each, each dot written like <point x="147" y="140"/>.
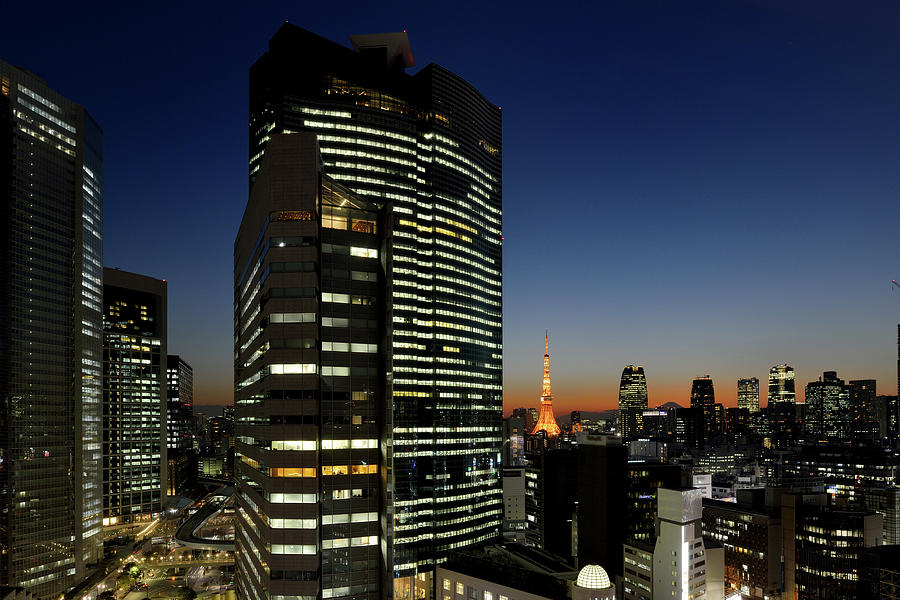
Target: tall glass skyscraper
<point x="51" y="277"/>
<point x="180" y="403"/>
<point x="703" y="399"/>
<point x="134" y="397"/>
<point x="632" y="401"/>
<point x="827" y="408"/>
<point x="748" y="394"/>
<point x="423" y="153"/>
<point x="782" y="400"/>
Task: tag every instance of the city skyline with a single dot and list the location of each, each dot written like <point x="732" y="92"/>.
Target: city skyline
<point x="763" y="112"/>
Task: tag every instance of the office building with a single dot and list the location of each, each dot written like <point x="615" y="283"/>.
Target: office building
<point x="514" y="505"/>
<point x="632" y="401"/>
<point x="863" y="424"/>
<point x="828" y="544"/>
<point x="308" y="371"/>
<point x="426" y="150"/>
<point x="514" y="440"/>
<point x="679" y="557"/>
<point x="737" y="421"/>
<point x="690" y="427"/>
<point x="601" y="528"/>
<point x="637" y="581"/>
<point x="879" y="573"/>
<point x="51" y="173"/>
<point x="883" y="407"/>
<point x="749" y="530"/>
<point x="642" y="480"/>
<point x="827" y="408"/>
<point x="180" y="403"/>
<point x="782" y="401"/>
<point x="748" y="394"/>
<point x="134" y="397"/>
<point x="846" y="471"/>
<point x="885" y="500"/>
<point x="553" y="486"/>
<point x="546" y="422"/>
<point x="508" y="572"/>
<point x="894" y="409"/>
<point x="703" y="399"/>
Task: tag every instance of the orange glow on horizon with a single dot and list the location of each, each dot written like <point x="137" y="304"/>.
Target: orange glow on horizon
<point x="588" y="399"/>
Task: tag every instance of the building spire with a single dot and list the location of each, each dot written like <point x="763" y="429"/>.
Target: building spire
<point x="546" y="420"/>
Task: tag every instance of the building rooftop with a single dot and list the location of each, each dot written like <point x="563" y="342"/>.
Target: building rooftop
<point x="517" y="566"/>
<point x="593" y="577"/>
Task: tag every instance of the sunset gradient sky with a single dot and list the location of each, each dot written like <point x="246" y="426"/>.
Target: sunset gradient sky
<point x="697" y="187"/>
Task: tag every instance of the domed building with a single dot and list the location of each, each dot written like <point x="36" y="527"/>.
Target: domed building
<point x="593" y="584"/>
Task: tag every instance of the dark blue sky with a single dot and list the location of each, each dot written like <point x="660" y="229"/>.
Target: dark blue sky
<point x="698" y="187"/>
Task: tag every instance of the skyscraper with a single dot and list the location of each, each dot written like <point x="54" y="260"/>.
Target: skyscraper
<point x="894" y="409"/>
<point x="748" y="394"/>
<point x="782" y="400"/>
<point x="546" y="419"/>
<point x="703" y="398"/>
<point x="679" y="556"/>
<point x="180" y="403"/>
<point x="418" y="161"/>
<point x="134" y="397"/>
<point x="827" y="408"/>
<point x="863" y="423"/>
<point x="51" y="277"/>
<point x="632" y="401"/>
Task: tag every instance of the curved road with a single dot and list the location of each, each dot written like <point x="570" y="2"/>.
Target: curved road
<point x="215" y="503"/>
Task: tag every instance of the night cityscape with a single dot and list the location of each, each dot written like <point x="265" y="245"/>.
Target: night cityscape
<point x="268" y="330"/>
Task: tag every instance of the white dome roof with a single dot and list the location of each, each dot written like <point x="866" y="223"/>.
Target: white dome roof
<point x="593" y="577"/>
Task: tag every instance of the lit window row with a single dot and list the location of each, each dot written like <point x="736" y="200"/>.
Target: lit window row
<point x="366" y="540"/>
<point x="359" y="129"/>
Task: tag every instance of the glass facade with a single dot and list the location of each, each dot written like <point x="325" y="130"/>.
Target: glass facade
<point x="426" y="148"/>
<point x="180" y="403"/>
<point x="782" y="400"/>
<point x="703" y="399"/>
<point x="50" y="335"/>
<point x="748" y="394"/>
<point x="632" y="401"/>
<point x="134" y="397"/>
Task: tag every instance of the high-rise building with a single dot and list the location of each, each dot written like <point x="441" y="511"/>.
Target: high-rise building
<point x="748" y="394"/>
<point x="531" y="418"/>
<point x="750" y="531"/>
<point x="642" y="480"/>
<point x="180" y="403"/>
<point x="782" y="400"/>
<point x="51" y="277"/>
<point x="827" y="408"/>
<point x="514" y="440"/>
<point x="134" y="397"/>
<point x="679" y="555"/>
<point x="703" y="398"/>
<point x="601" y="526"/>
<point x="894" y="410"/>
<point x="883" y="407"/>
<point x="632" y="401"/>
<point x="307" y="375"/>
<point x="828" y="545"/>
<point x="863" y="424"/>
<point x="425" y="149"/>
<point x="546" y="419"/>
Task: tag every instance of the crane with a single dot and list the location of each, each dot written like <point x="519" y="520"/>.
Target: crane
<point x="894" y="281"/>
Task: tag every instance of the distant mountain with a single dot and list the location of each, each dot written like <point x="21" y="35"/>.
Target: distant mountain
<point x="669" y="405"/>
